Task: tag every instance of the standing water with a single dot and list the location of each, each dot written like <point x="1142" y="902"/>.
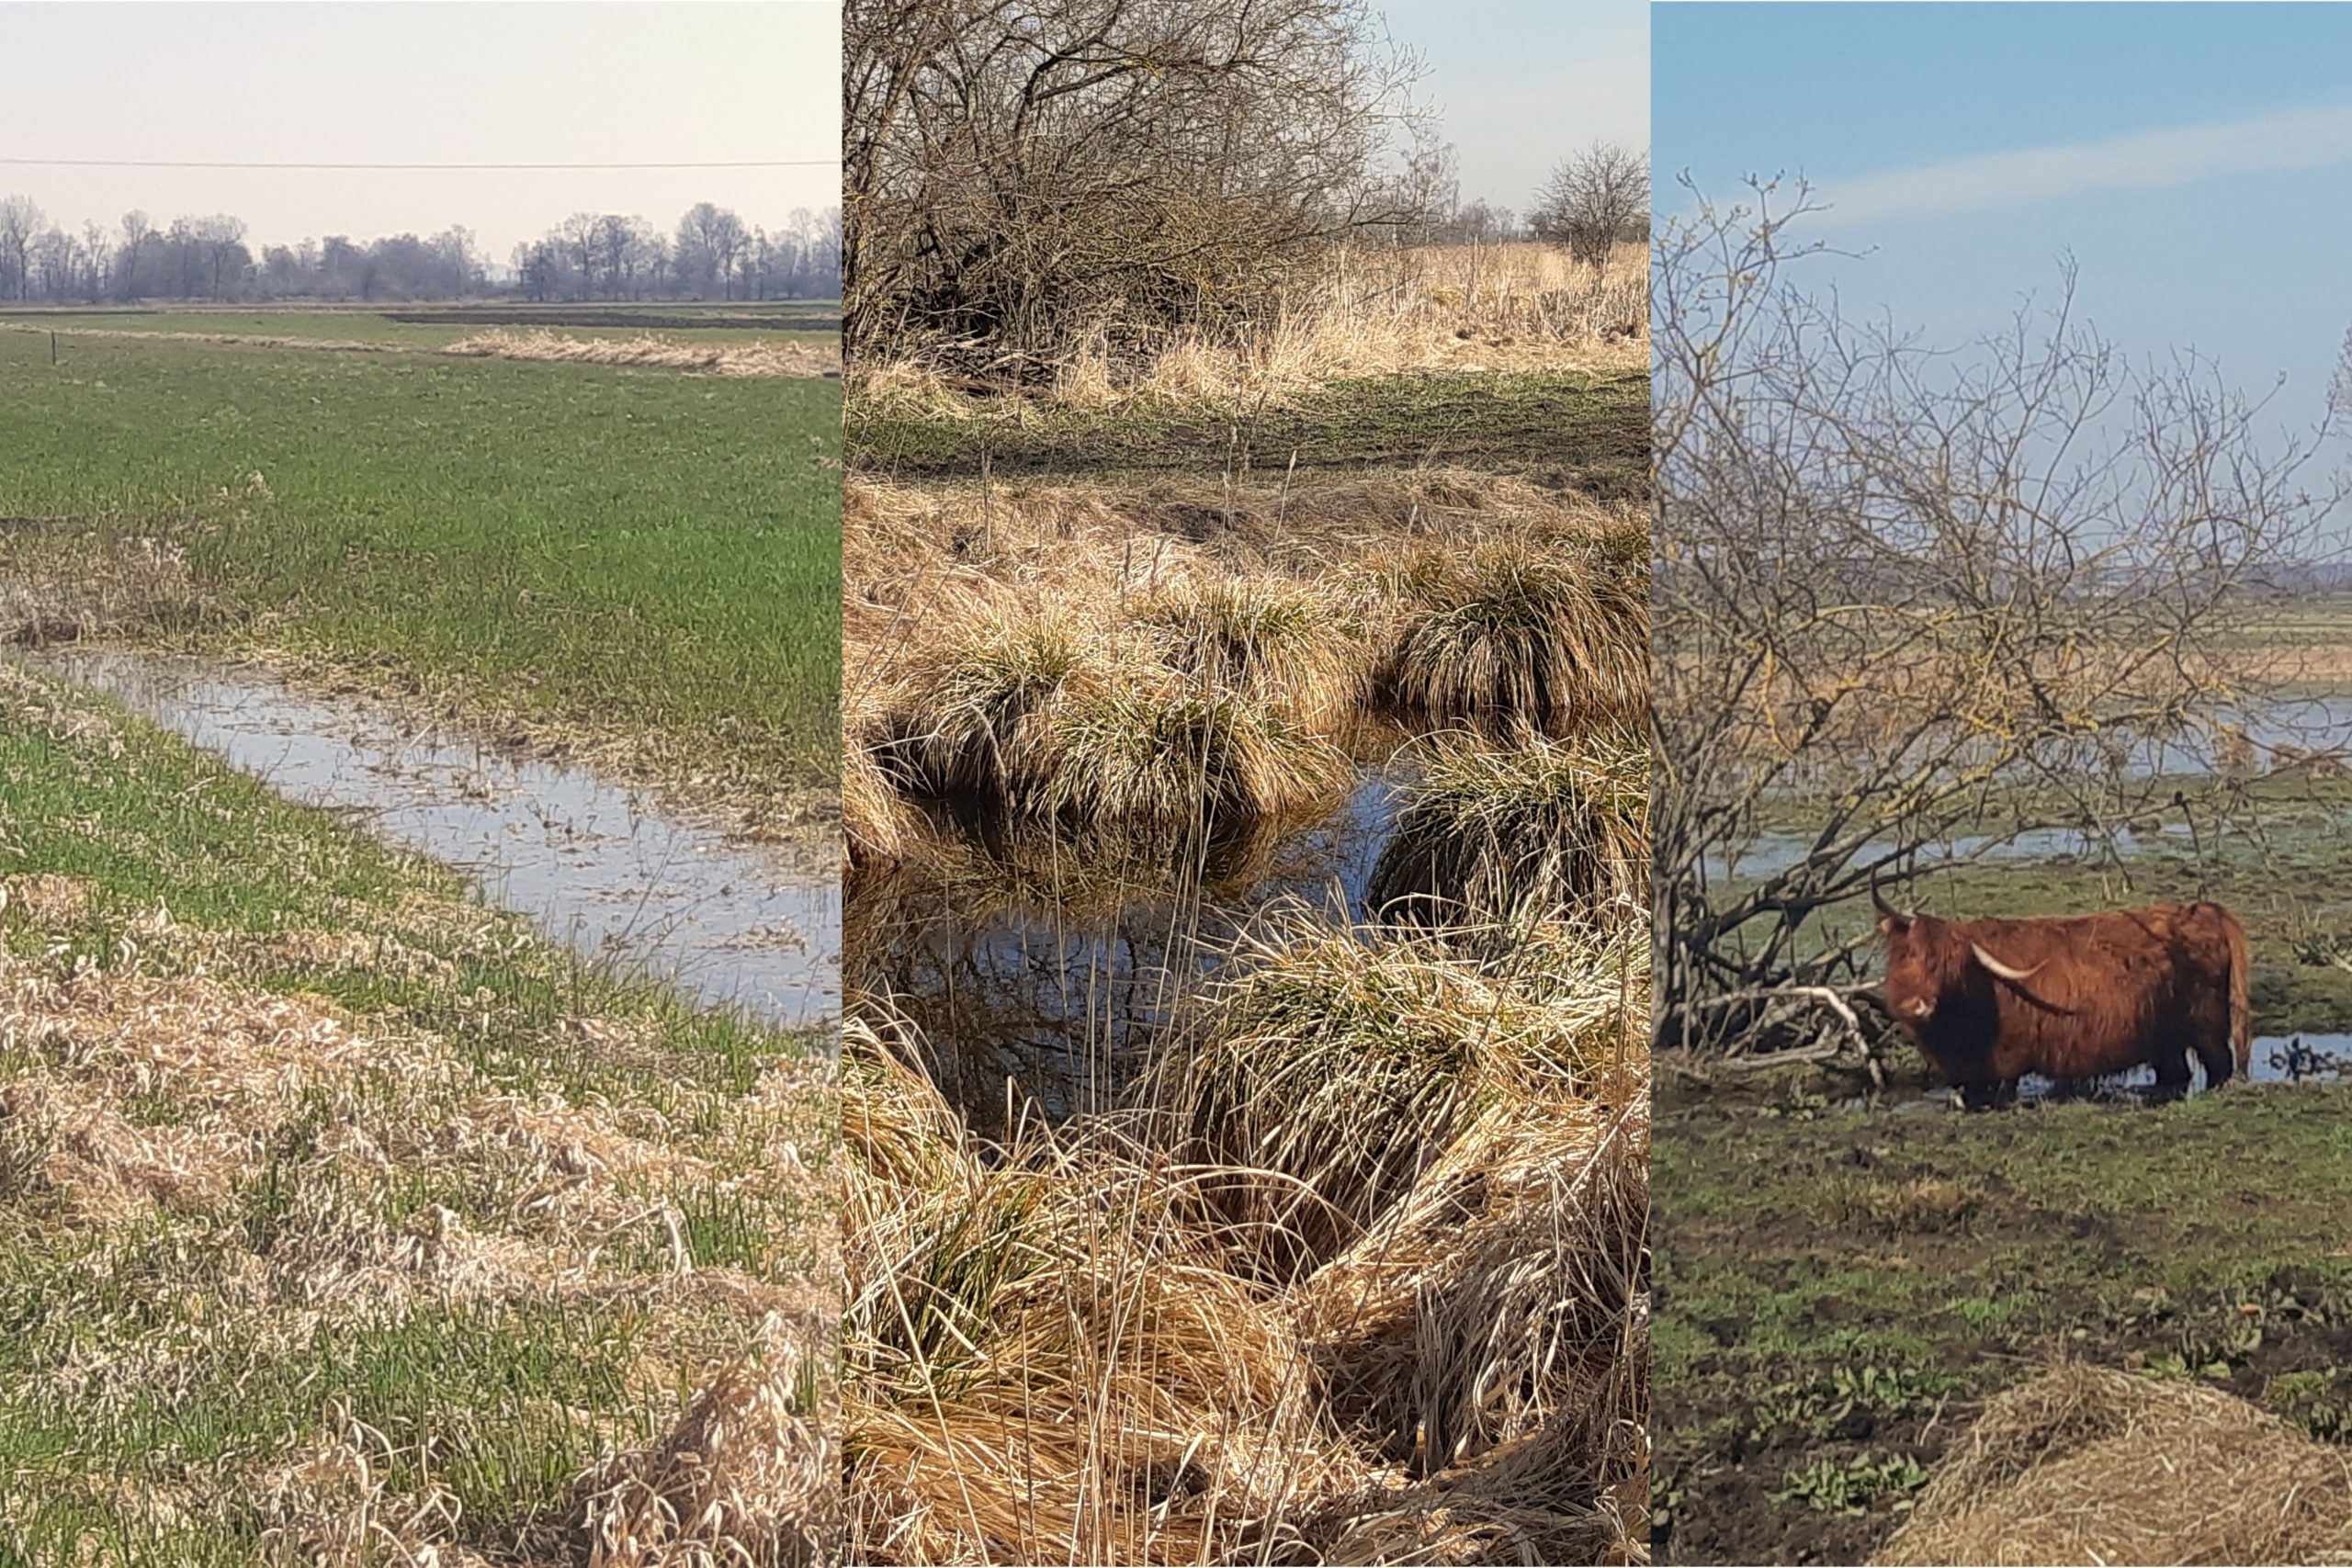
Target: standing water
<point x="597" y="866"/>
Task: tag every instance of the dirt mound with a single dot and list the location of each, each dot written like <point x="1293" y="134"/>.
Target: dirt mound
<point x="2083" y="1465"/>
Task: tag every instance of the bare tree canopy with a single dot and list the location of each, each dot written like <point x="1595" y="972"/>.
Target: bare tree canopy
<point x="1594" y="200"/>
<point x="1914" y="604"/>
<point x="1019" y="175"/>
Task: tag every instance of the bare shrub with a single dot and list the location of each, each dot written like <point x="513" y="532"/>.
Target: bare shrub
<point x="1941" y="599"/>
<point x="1019" y="176"/>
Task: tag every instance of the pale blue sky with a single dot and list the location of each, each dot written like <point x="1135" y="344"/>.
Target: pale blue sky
<point x="426" y="82"/>
<point x="2195" y="159"/>
<point x="1524" y="84"/>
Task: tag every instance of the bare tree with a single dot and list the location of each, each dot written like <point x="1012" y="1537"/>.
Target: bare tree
<point x="1910" y="605"/>
<point x="1019" y="175"/>
<point x="1593" y="200"/>
<point x="21" y="219"/>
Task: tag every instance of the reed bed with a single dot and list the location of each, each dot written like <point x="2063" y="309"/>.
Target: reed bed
<point x="756" y="359"/>
<point x="1490" y="834"/>
<point x="1448" y="309"/>
<point x="1266" y="1312"/>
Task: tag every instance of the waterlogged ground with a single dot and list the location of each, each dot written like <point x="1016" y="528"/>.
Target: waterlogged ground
<point x="641" y="560"/>
<point x="340" y="1214"/>
<point x="1052" y="980"/>
<point x="599" y="868"/>
<point x="1844" y="1278"/>
<point x="1838" y="1289"/>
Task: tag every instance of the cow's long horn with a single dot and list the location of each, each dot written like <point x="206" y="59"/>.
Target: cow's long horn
<point x="2014" y="977"/>
<point x="1900" y="917"/>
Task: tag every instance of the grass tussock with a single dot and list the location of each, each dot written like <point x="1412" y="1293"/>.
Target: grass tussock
<point x="1298" y="649"/>
<point x="1490" y="833"/>
<point x="1081" y="657"/>
<point x="1077" y="1345"/>
<point x="1050" y="721"/>
<point x="778" y="359"/>
<point x="60" y="583"/>
<point x="1514" y="636"/>
<point x="2086" y="1465"/>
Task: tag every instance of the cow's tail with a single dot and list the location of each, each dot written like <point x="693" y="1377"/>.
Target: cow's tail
<point x="2241" y="1010"/>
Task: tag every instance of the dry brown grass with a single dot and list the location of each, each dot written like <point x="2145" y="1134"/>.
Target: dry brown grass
<point x="1520" y="307"/>
<point x="1493" y="833"/>
<point x="1186" y="654"/>
<point x="63" y="583"/>
<point x="786" y="358"/>
<point x="1071" y="1347"/>
<point x="2085" y="1465"/>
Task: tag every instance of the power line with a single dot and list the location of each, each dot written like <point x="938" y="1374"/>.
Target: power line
<point x="200" y="163"/>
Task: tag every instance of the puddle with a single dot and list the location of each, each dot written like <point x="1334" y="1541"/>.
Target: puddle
<point x="597" y="866"/>
<point x="1769" y="853"/>
<point x="1032" y="1007"/>
<point x="2277" y="1058"/>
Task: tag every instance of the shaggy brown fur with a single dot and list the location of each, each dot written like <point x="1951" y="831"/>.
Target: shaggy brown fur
<point x="2086" y="995"/>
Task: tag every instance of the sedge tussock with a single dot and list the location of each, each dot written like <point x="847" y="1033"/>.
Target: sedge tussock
<point x="1046" y="1362"/>
<point x="1297" y="648"/>
<point x="2086" y="1465"/>
<point x="1490" y="831"/>
<point x="748" y="1477"/>
<point x="658" y="352"/>
<point x="1167" y="753"/>
<point x="1518" y="636"/>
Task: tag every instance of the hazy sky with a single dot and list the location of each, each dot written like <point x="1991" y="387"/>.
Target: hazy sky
<point x="1523" y="82"/>
<point x="421" y="83"/>
<point x="2195" y="159"/>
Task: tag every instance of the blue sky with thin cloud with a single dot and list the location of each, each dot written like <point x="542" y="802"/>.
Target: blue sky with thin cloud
<point x="2193" y="159"/>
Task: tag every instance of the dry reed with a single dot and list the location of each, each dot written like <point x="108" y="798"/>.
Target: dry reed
<point x="764" y="359"/>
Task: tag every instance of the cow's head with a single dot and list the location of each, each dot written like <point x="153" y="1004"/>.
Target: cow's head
<point x="1930" y="966"/>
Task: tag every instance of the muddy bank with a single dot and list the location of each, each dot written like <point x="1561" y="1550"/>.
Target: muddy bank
<point x="1840" y="1291"/>
<point x="599" y="867"/>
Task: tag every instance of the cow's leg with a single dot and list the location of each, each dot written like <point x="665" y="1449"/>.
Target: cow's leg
<point x="2172" y="1075"/>
<point x="2219" y="1061"/>
<point x="1981" y="1096"/>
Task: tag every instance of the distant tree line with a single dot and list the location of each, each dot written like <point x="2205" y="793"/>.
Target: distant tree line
<point x="712" y="255"/>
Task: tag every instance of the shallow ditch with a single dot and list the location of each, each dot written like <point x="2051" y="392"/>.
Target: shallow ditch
<point x="599" y="867"/>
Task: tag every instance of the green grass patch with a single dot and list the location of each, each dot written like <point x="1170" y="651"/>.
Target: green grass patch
<point x="1587" y="432"/>
<point x="621" y="553"/>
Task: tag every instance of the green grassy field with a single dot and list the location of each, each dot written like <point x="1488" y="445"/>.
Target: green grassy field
<point x="341" y="1217"/>
<point x="1583" y="432"/>
<point x="632" y="556"/>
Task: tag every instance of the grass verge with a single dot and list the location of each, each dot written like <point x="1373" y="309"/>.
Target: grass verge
<point x="342" y="1218"/>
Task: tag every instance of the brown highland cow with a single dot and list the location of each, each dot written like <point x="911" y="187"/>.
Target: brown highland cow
<point x="2072" y="997"/>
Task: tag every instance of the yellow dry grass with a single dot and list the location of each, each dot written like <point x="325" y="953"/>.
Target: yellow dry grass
<point x="785" y="358"/>
<point x="1443" y="308"/>
<point x="1048" y="641"/>
<point x="2086" y="1465"/>
<point x="1067" y="1346"/>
